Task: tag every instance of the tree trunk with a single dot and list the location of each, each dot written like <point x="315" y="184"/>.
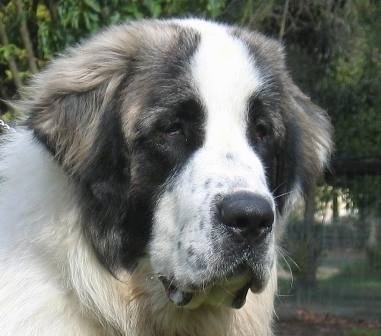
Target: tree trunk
<point x="11" y="61"/>
<point x="26" y="37"/>
<point x="52" y="5"/>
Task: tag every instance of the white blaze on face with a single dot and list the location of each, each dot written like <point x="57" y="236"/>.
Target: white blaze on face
<point x="224" y="77"/>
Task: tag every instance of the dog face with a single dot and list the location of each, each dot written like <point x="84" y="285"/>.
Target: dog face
<point x="185" y="140"/>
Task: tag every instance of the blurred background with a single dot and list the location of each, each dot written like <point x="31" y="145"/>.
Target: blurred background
<point x="330" y="274"/>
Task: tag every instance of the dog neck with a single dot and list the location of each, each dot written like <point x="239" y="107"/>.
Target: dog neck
<point x="145" y="307"/>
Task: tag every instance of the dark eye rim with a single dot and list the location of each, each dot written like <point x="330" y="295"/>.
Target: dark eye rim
<point x="174" y="129"/>
<point x="262" y="131"/>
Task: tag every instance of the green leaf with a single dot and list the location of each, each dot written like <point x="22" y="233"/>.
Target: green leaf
<point x="154" y="7"/>
<point x="93" y="5"/>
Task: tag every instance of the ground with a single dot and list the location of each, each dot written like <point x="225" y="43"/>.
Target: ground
<point x="302" y="322"/>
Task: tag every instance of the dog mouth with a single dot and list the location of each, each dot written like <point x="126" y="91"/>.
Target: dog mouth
<point x="176" y="295"/>
<point x="231" y="291"/>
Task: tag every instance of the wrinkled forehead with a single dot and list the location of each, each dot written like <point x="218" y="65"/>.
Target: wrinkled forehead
<point x="209" y="65"/>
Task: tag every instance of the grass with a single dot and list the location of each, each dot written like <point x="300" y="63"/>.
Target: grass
<point x="363" y="332"/>
<point x="353" y="282"/>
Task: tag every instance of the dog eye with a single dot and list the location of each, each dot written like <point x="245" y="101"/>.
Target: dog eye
<point x="175" y="128"/>
<point x="261" y="131"/>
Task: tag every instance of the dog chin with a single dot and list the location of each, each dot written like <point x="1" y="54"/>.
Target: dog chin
<point x="229" y="291"/>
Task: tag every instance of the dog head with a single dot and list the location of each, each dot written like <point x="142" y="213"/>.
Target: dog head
<point x="187" y="141"/>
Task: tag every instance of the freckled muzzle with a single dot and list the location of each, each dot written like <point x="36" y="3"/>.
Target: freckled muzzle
<point x="249" y="218"/>
<point x="213" y="241"/>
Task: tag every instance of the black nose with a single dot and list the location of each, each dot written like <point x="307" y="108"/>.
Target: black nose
<point x="250" y="213"/>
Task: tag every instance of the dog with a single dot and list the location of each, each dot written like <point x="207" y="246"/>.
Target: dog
<point x="147" y="190"/>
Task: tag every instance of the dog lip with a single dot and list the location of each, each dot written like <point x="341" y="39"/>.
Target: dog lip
<point x="176" y="295"/>
<point x="240" y="297"/>
<point x="257" y="285"/>
<point x="182" y="297"/>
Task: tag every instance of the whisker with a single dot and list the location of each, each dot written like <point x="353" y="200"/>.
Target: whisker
<point x="281" y="195"/>
<point x="283" y="253"/>
<point x="277" y="187"/>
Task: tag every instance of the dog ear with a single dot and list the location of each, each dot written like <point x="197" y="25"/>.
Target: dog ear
<point x="78" y="108"/>
<point x="75" y="111"/>
<point x="83" y="132"/>
<point x="309" y="138"/>
<point x="75" y="104"/>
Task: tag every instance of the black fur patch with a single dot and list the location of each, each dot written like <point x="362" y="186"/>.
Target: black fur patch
<point x="293" y="123"/>
<point x="153" y="155"/>
<point x="122" y="174"/>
